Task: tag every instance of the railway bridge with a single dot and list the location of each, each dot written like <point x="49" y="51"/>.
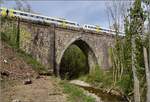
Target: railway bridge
<point x="48" y="42"/>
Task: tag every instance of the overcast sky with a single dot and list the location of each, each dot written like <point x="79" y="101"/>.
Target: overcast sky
<point x="83" y="12"/>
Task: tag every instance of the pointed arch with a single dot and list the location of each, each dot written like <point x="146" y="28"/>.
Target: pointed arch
<point x="85" y="47"/>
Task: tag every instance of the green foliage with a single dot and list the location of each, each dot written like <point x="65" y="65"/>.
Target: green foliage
<point x="125" y="83"/>
<point x="134" y="29"/>
<point x="9" y="31"/>
<point x="74" y="63"/>
<point x="121" y="54"/>
<point x="31" y="61"/>
<point x="76" y="94"/>
<point x="96" y="75"/>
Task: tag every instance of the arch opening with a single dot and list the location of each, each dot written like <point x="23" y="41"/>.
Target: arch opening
<point x="78" y="59"/>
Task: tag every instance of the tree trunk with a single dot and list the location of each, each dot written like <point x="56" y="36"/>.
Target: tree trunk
<point x="148" y="9"/>
<point x="147" y="73"/>
<point x="136" y="81"/>
<point x="148" y="86"/>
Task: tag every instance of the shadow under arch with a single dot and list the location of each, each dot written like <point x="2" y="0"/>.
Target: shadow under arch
<point x="86" y="49"/>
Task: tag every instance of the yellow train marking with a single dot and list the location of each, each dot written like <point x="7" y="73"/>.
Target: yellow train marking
<point x="4" y="12"/>
<point x="64" y="24"/>
<point x="11" y="13"/>
<point x="97" y="28"/>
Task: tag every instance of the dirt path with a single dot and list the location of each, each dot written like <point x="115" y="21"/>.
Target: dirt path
<point x="44" y="89"/>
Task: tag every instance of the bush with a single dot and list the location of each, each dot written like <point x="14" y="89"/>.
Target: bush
<point x="96" y="75"/>
<point x="125" y="84"/>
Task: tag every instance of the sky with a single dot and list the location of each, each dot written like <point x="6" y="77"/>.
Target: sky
<point x="83" y="12"/>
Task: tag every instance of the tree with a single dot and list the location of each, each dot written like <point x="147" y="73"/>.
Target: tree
<point x="147" y="71"/>
<point x="128" y="54"/>
<point x="23" y="5"/>
<point x="145" y="51"/>
<point x="136" y="18"/>
<point x="116" y="11"/>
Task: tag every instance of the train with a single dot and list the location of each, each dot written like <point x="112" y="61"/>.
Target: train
<point x="36" y="17"/>
<point x="47" y="19"/>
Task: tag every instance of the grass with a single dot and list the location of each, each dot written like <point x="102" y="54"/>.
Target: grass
<point x="75" y="93"/>
<point x="98" y="78"/>
<point x="104" y="80"/>
<point x="31" y="61"/>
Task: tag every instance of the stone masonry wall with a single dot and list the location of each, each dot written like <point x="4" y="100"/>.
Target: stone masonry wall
<point x="36" y="39"/>
<point x="48" y="42"/>
<point x="99" y="43"/>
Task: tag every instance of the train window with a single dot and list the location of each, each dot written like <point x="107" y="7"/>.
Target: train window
<point x="25" y="14"/>
<point x="52" y="19"/>
<point x="47" y="19"/>
<point x="90" y="27"/>
<point x="31" y="15"/>
<point x="15" y="12"/>
<point x="21" y="13"/>
<point x="70" y="23"/>
<point x="60" y="21"/>
<point x="40" y="17"/>
<point x="67" y="22"/>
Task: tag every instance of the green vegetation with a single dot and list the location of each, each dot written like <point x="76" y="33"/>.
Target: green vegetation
<point x="134" y="25"/>
<point x="74" y="63"/>
<point x="9" y="31"/>
<point x="127" y="55"/>
<point x="104" y="79"/>
<point x="31" y="61"/>
<point x="76" y="94"/>
<point x="98" y="77"/>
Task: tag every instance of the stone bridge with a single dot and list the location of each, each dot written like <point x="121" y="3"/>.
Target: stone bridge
<point x="48" y="42"/>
